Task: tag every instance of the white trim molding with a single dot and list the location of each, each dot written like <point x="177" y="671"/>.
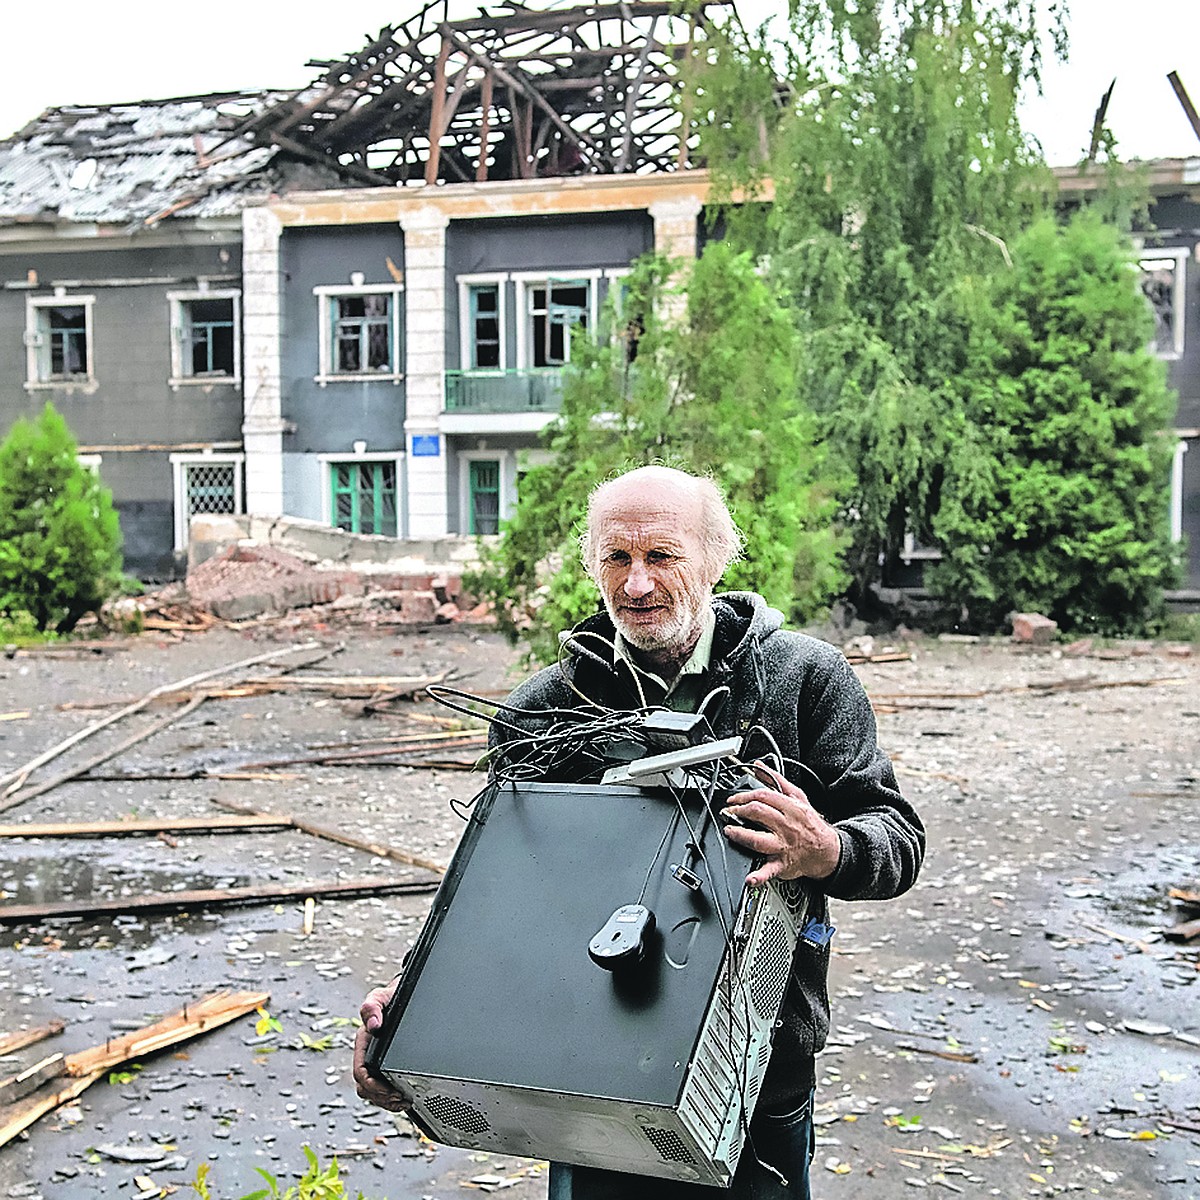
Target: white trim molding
<point x="326" y="372"/>
<point x="1176" y="259"/>
<point x="179" y="467"/>
<point x="356" y="456"/>
<point x="37" y="343"/>
<point x="180" y="377"/>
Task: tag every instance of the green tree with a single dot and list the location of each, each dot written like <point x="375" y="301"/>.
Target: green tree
<point x="900" y="175"/>
<point x="712" y="391"/>
<point x="60" y="542"/>
<point x="1057" y="490"/>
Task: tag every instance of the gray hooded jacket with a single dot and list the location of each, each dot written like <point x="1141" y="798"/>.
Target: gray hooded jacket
<point x="804" y="692"/>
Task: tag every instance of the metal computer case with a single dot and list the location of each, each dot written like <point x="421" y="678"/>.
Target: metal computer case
<point x="511" y="1039"/>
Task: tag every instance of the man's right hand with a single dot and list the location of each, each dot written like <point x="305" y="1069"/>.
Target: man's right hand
<point x="376" y="1091"/>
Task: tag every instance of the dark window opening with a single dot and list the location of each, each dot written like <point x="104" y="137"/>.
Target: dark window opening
<point x="362" y="334"/>
<point x="66" y="331"/>
<point x="554" y="310"/>
<point x="485" y="326"/>
<point x="207" y="336"/>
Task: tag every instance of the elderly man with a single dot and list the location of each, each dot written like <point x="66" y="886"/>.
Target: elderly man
<point x="657" y="541"/>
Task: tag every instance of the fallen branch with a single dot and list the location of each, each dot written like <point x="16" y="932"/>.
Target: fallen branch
<point x="66" y="776"/>
<point x="20" y="914"/>
<point x="87" y="1066"/>
<point x="15" y="779"/>
<point x="334" y="835"/>
<point x="12" y="1042"/>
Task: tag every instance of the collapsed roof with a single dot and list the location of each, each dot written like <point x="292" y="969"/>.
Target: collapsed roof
<point x="516" y="93"/>
<point x="135" y="164"/>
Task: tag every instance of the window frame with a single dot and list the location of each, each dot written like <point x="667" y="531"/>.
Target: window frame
<point x="466" y="340"/>
<point x="326" y="295"/>
<point x="504" y="509"/>
<point x="179" y="465"/>
<point x="526" y="282"/>
<point x="37" y="342"/>
<point x="176" y="301"/>
<point x="1178" y="257"/>
<point x="329" y="460"/>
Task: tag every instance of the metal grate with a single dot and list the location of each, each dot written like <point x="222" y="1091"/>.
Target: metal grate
<point x="769" y="971"/>
<point x="456" y="1114"/>
<point x="668" y="1143"/>
<point x="211" y="488"/>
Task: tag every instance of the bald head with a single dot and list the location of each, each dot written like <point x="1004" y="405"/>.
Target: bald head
<point x="695" y="503"/>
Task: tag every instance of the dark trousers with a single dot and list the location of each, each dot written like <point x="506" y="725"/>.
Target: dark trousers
<point x="785" y="1141"/>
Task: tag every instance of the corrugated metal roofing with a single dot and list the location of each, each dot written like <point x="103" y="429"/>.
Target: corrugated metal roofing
<point x="133" y="163"/>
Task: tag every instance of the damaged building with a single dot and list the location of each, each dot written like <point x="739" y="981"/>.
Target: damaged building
<point x="353" y="303"/>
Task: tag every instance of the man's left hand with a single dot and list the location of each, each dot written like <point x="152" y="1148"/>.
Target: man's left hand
<point x="794" y="839"/>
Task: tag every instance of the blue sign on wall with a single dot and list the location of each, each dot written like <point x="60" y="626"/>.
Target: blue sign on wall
<point x="426" y="445"/>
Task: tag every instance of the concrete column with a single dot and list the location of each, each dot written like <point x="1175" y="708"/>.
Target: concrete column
<point x="262" y="369"/>
<point x="675" y="226"/>
<point x="424" y="368"/>
<point x="675" y="236"/>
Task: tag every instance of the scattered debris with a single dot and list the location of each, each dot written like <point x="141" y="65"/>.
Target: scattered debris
<point x="1033" y="629"/>
<point x="84" y="1068"/>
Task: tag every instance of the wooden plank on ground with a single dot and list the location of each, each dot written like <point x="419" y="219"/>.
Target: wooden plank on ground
<point x="17" y="1087"/>
<point x="335" y="835"/>
<point x="10" y="1043"/>
<point x="88" y="829"/>
<point x="84" y="1068"/>
<point x="15" y="1119"/>
<point x="19" y="914"/>
<point x="210" y="1012"/>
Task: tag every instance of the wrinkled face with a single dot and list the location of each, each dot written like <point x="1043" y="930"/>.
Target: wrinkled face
<point x="649" y="565"/>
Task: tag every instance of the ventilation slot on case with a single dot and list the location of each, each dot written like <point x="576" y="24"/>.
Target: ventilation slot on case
<point x="769" y="971"/>
<point x="794" y="894"/>
<point x="668" y="1144"/>
<point x="452" y="1112"/>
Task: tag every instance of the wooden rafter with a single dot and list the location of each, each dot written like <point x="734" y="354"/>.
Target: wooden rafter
<point x="588" y="89"/>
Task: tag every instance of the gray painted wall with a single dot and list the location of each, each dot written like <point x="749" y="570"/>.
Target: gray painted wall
<point x="132" y="403"/>
<point x="330" y="418"/>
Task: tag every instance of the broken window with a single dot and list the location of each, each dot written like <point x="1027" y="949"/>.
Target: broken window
<point x="364" y="496"/>
<point x="1162" y="284"/>
<point x="555" y="308"/>
<point x="205" y="333"/>
<point x="360" y="332"/>
<point x="58" y="339"/>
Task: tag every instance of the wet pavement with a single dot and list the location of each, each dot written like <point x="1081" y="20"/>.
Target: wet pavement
<point x="1015" y="1026"/>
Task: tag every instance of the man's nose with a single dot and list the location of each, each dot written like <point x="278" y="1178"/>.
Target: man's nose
<point x="637" y="582"/>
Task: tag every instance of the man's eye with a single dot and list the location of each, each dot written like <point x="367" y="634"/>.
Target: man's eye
<point x="659" y="556"/>
<point x="618" y="558"/>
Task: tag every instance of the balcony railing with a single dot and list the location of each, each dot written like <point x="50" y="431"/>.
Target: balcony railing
<point x="503" y="391"/>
